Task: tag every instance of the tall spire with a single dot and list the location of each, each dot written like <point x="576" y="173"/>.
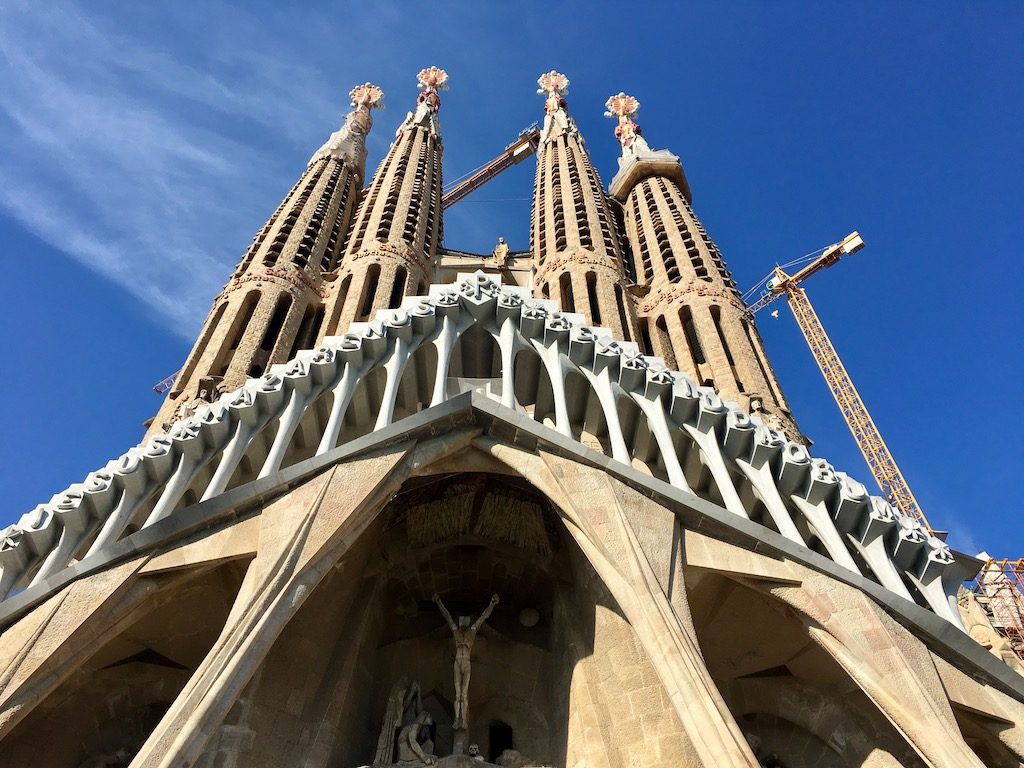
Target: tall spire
<point x="573" y="235"/>
<point x="273" y="304"/>
<point x="398" y="227"/>
<point x="691" y="313"/>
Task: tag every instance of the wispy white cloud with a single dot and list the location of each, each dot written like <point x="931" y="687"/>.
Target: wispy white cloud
<point x="138" y="164"/>
<point x="149" y="143"/>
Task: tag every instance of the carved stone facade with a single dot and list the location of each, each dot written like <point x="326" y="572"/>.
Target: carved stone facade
<point x="281" y="577"/>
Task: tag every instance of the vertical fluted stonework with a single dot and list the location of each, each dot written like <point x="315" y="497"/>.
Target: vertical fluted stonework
<point x="575" y="245"/>
<point x="273" y="305"/>
<point x="398" y="226"/>
<point x="691" y="314"/>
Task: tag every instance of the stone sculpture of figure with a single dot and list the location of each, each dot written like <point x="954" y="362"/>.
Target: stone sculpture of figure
<point x="415" y="747"/>
<point x="403" y="706"/>
<point x="474" y="753"/>
<point x="465" y="635"/>
<point x="500" y="252"/>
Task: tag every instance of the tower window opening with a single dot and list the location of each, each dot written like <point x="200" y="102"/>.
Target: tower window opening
<point x="716" y="316"/>
<point x="595" y="308"/>
<point x="308" y="329"/>
<point x="641" y="236"/>
<point x="199" y="350"/>
<point x="331" y="256"/>
<point x="412" y="218"/>
<point x="398" y="174"/>
<point x="556" y="197"/>
<point x="284" y="303"/>
<point x="274" y="252"/>
<point x="539" y="219"/>
<point x="565" y="292"/>
<point x="234" y="338"/>
<point x="692" y="340"/>
<point x="620" y="300"/>
<point x="580" y="206"/>
<point x="645" y="337"/>
<point x="398" y="288"/>
<point x="369" y="291"/>
<point x="665" y="342"/>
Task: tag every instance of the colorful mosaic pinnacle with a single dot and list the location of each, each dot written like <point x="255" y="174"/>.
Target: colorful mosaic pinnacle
<point x="367" y="96"/>
<point x="554" y="85"/>
<point x="621" y="106"/>
<point x="432" y="79"/>
<point x="624" y="108"/>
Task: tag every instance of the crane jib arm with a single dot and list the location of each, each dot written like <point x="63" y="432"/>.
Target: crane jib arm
<point x="514" y="153"/>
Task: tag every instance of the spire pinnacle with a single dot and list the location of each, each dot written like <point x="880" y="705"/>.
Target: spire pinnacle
<point x="431" y="80"/>
<point x="624" y="108"/>
<point x="553" y="85"/>
<point x="366" y="97"/>
<point x="348" y="143"/>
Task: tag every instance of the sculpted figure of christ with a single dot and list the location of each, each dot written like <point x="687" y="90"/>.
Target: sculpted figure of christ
<point x="465" y="635"/>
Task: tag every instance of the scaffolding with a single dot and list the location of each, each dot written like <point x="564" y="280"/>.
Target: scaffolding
<point x="999" y="590"/>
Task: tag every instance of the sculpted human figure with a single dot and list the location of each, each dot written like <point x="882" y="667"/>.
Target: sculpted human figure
<point x="414" y="744"/>
<point x="403" y="706"/>
<point x="465" y="635"/>
<point x="500" y="252"/>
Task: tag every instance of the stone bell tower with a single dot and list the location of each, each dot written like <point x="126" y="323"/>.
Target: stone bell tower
<point x="690" y="312"/>
<point x="398" y="226"/>
<point x="575" y="245"/>
<point x="273" y="304"/>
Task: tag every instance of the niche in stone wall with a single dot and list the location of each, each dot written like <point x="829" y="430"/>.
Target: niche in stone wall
<point x="797" y="707"/>
<point x="102" y="713"/>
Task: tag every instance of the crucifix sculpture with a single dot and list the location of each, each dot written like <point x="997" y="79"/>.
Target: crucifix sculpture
<point x="465" y="635"/>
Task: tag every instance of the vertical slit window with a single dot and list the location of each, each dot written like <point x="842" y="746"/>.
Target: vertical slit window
<point x="308" y="329"/>
<point x="665" y="342"/>
<point x="692" y="339"/>
<point x="186" y="373"/>
<point x="398" y="288"/>
<point x="716" y="316"/>
<point x="234" y="338"/>
<point x="277" y="319"/>
<point x="369" y="291"/>
<point x="565" y="292"/>
<point x="645" y="337"/>
<point x="620" y="301"/>
<point x="595" y="309"/>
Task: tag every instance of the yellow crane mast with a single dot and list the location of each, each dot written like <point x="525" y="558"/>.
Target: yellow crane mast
<point x="876" y="453"/>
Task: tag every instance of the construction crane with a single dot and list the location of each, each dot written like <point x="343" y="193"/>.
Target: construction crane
<point x="520" y="149"/>
<point x="877" y="455"/>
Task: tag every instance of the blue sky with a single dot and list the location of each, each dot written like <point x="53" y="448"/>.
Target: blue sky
<point x="145" y="143"/>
